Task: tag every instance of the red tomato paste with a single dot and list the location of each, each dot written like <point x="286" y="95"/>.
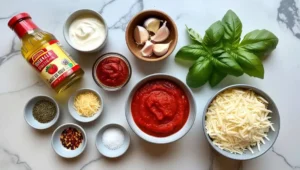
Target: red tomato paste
<point x="112" y="71"/>
<point x="160" y="108"/>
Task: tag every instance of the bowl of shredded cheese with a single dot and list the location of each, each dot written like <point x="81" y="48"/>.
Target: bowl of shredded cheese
<point x="241" y="122"/>
<point x="85" y="105"/>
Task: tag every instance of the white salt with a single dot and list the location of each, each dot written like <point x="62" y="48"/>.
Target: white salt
<point x="113" y="138"/>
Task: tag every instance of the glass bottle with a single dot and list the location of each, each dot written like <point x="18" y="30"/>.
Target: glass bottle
<point x="44" y="53"/>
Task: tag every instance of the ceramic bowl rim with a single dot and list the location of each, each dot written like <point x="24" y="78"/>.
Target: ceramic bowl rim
<point x="113" y="125"/>
<point x="243" y="86"/>
<point x="70" y="125"/>
<point x="52" y="122"/>
<point x="171" y="138"/>
<point x="74" y="15"/>
<point x="82" y="118"/>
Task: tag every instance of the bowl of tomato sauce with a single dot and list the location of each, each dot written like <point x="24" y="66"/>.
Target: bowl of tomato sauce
<point x="111" y="71"/>
<point x="160" y="109"/>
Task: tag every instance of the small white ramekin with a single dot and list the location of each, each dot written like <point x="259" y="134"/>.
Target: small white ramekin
<point x="77" y="14"/>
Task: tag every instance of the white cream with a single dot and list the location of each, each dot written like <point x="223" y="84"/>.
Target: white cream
<point x="87" y="33"/>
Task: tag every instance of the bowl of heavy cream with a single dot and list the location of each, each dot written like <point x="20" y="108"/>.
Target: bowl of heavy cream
<point x="86" y="31"/>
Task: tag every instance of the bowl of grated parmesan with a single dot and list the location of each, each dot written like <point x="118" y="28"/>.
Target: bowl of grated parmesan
<point x="241" y="122"/>
<point x="85" y="105"/>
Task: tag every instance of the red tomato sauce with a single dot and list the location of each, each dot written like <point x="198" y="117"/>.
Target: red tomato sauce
<point x="160" y="108"/>
<point x="112" y="71"/>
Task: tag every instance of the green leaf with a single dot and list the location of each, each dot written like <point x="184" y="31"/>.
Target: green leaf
<point x="216" y="77"/>
<point x="259" y="42"/>
<point x="232" y="27"/>
<point x="227" y="64"/>
<point x="194" y="35"/>
<point x="191" y="52"/>
<point x="217" y="49"/>
<point x="214" y="33"/>
<point x="199" y="72"/>
<point x="250" y="63"/>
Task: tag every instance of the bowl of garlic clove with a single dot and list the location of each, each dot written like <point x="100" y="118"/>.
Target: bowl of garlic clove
<point x="151" y="35"/>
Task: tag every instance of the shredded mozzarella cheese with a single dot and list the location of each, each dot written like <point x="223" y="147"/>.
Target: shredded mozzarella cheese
<point x="87" y="104"/>
<point x="237" y="120"/>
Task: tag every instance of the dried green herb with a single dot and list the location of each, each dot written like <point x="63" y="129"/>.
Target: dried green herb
<point x="44" y="111"/>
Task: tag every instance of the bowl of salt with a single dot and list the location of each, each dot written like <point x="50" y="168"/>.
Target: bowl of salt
<point x="112" y="140"/>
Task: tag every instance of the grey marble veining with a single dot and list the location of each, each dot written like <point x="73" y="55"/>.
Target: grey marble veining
<point x="285" y="159"/>
<point x="13" y="51"/>
<point x="22" y="148"/>
<point x="134" y="9"/>
<point x="12" y="161"/>
<point x="288" y="13"/>
<point x="90" y="162"/>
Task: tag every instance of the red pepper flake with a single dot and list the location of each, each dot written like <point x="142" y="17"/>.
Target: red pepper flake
<point x="71" y="138"/>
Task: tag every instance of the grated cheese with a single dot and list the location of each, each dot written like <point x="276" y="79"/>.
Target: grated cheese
<point x="87" y="104"/>
<point x="237" y="120"/>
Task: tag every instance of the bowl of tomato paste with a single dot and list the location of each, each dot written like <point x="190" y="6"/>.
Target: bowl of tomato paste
<point x="160" y="109"/>
<point x="111" y="71"/>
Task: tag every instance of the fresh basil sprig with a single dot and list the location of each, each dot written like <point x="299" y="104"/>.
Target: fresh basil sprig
<point x="220" y="52"/>
<point x="194" y="35"/>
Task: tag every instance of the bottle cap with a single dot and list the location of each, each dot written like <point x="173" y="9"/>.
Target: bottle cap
<point x="21" y="24"/>
<point x="17" y="18"/>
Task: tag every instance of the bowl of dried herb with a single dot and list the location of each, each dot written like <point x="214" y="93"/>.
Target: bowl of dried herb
<point x="41" y="112"/>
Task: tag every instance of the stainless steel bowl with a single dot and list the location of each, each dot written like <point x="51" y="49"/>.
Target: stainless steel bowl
<point x="271" y="135"/>
<point x="174" y="137"/>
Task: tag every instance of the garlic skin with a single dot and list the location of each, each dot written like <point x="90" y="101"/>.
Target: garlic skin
<point x="162" y="34"/>
<point x="147" y="50"/>
<point x="140" y="35"/>
<point x="152" y="24"/>
<point x="161" y="49"/>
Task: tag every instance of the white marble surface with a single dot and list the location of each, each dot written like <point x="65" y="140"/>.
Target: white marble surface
<point x="23" y="148"/>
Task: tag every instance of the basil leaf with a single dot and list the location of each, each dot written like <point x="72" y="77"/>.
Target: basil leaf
<point x="227" y="64"/>
<point x="194" y="35"/>
<point x="232" y="27"/>
<point x="259" y="42"/>
<point x="250" y="63"/>
<point x="217" y="52"/>
<point x="199" y="72"/>
<point x="191" y="52"/>
<point x="216" y="77"/>
<point x="217" y="49"/>
<point x="214" y="33"/>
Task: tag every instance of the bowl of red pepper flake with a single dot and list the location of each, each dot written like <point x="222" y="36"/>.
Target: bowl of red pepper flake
<point x="69" y="140"/>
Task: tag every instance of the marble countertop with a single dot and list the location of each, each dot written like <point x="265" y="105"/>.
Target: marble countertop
<point x="23" y="148"/>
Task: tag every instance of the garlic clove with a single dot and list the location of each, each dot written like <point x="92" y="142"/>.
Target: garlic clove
<point x="162" y="34"/>
<point x="161" y="49"/>
<point x="141" y="35"/>
<point x="147" y="50"/>
<point x="152" y="24"/>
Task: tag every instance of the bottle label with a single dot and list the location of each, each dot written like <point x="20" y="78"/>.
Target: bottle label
<point x="53" y="63"/>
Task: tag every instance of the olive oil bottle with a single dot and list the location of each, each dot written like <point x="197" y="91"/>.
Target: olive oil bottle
<point x="44" y="53"/>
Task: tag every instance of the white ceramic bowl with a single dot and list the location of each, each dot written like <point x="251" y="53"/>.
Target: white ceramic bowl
<point x="77" y="14"/>
<point x="275" y="119"/>
<point x="60" y="149"/>
<point x="162" y="140"/>
<point x="28" y="115"/>
<point x="108" y="152"/>
<point x="76" y="115"/>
